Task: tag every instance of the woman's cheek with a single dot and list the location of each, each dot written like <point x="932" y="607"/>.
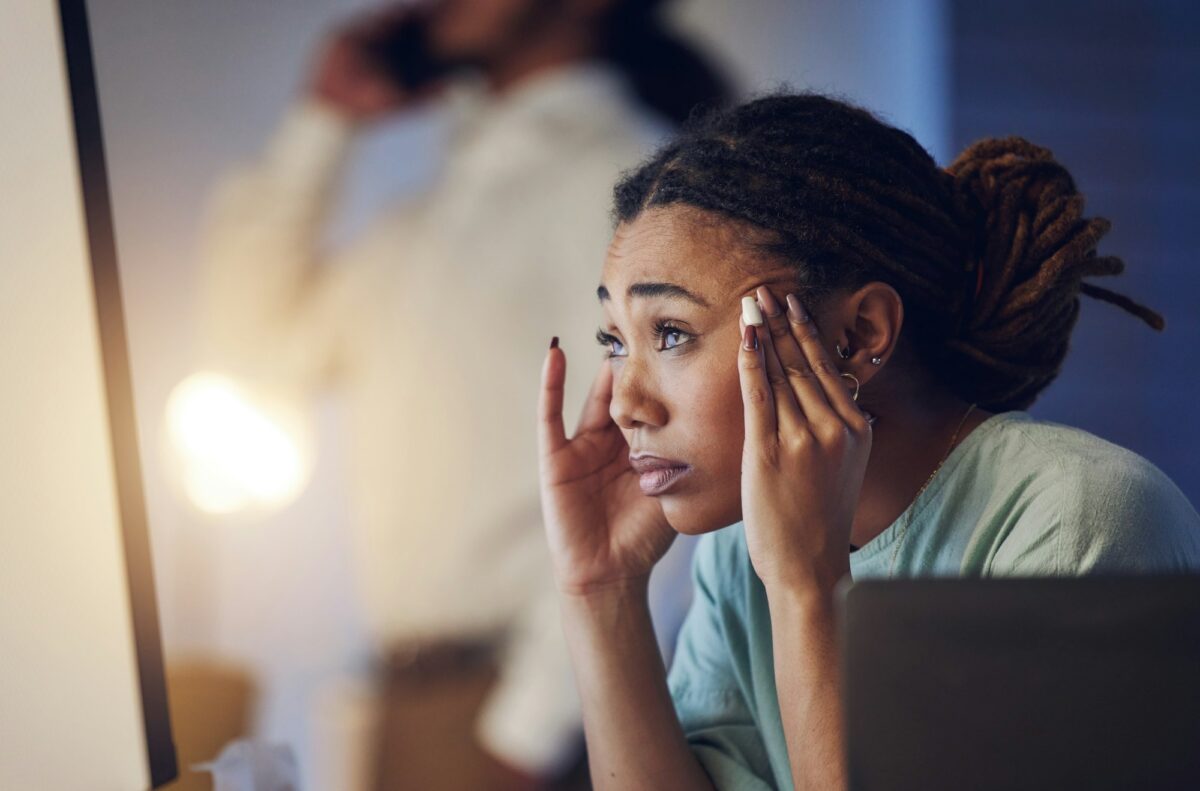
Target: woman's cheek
<point x="706" y="413"/>
<point x="716" y="421"/>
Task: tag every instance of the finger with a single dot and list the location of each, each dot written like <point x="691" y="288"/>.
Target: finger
<point x="809" y="393"/>
<point x="827" y="375"/>
<point x="787" y="408"/>
<point x="595" y="414"/>
<point x="551" y="434"/>
<point x="757" y="404"/>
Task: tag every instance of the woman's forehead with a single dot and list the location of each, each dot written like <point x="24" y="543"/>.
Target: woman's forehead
<point x="713" y="258"/>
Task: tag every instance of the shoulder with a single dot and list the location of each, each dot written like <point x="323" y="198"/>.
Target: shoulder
<point x="592" y="158"/>
<point x="1094" y="505"/>
<point x="589" y="114"/>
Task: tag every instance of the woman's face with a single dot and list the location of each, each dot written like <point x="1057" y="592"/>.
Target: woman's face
<point x="671" y="293"/>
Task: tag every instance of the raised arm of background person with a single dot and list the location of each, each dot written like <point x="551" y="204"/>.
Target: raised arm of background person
<point x="263" y="284"/>
<point x="266" y="293"/>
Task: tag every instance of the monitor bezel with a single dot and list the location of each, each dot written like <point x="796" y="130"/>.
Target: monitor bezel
<point x="118" y="384"/>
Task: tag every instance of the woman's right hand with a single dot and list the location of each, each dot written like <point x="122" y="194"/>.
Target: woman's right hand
<point x="602" y="530"/>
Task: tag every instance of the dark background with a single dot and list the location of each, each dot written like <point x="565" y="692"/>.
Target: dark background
<point x="1111" y="89"/>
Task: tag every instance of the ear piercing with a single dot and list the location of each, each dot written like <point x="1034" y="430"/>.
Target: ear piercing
<point x="854" y="379"/>
<point x="845" y="354"/>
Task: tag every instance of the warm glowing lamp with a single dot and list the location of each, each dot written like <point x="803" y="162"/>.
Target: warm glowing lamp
<point x="236" y="449"/>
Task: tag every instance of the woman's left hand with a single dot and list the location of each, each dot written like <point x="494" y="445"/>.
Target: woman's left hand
<point x="805" y="453"/>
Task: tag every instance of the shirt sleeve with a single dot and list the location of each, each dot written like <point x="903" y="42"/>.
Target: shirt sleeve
<point x="267" y="302"/>
<point x="719" y="725"/>
<point x="1114" y="514"/>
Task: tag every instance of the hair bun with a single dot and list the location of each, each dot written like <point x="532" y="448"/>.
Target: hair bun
<point x="1032" y="249"/>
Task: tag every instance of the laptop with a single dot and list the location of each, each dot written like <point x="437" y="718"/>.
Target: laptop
<point x="1022" y="683"/>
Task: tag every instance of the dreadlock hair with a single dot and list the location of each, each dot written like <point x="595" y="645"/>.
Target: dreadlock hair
<point x="988" y="255"/>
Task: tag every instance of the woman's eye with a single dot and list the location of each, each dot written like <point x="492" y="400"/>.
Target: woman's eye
<point x="611" y="342"/>
<point x="671" y="337"/>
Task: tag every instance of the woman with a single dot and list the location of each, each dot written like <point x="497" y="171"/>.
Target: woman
<point x="871" y="426"/>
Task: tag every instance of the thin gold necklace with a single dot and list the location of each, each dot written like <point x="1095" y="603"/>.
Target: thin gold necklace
<point x="908" y="521"/>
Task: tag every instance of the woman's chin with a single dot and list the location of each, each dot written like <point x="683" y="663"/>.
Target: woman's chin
<point x="691" y="518"/>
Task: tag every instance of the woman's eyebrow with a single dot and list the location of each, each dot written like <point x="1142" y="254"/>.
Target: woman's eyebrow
<point x="657" y="290"/>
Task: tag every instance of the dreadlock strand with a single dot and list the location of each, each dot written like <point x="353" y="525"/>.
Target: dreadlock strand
<point x="1152" y="318"/>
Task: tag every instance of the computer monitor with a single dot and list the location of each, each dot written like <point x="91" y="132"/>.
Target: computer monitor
<point x="82" y="692"/>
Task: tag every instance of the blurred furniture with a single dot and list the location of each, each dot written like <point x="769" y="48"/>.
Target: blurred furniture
<point x="432" y="697"/>
<point x="210" y="707"/>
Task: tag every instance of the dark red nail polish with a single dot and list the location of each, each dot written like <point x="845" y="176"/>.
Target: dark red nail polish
<point x="554" y="342"/>
<point x="749" y="338"/>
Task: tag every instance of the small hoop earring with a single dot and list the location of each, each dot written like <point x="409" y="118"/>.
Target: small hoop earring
<point x="855" y="379"/>
<point x="876" y="360"/>
<point x="843" y="353"/>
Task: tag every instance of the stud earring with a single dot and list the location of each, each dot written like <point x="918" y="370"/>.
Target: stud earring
<point x="843" y="353"/>
<point x="876" y="360"/>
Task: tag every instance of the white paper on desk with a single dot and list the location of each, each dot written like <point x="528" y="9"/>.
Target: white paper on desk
<point x="247" y="765"/>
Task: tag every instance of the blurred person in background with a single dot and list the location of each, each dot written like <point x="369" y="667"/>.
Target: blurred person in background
<point x="430" y="326"/>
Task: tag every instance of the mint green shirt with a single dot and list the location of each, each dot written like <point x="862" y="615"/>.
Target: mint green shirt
<point x="1018" y="496"/>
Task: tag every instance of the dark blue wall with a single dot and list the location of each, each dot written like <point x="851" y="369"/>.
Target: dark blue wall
<point x="1114" y="90"/>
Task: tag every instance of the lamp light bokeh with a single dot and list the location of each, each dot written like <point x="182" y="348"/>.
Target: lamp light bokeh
<point x="235" y="450"/>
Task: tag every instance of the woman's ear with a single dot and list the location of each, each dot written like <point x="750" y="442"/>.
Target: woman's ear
<point x="870" y="319"/>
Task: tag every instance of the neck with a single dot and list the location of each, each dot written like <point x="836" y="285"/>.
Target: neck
<point x="909" y="441"/>
<point x="535" y="58"/>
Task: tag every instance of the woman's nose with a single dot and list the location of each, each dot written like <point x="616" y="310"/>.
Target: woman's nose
<point x="634" y="402"/>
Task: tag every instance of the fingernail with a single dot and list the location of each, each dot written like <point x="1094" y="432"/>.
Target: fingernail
<point x="749" y="338"/>
<point x="795" y="309"/>
<point x="750" y="312"/>
<point x="554" y="342"/>
<point x="767" y="299"/>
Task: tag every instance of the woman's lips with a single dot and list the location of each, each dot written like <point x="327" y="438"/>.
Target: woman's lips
<point x="657" y="475"/>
